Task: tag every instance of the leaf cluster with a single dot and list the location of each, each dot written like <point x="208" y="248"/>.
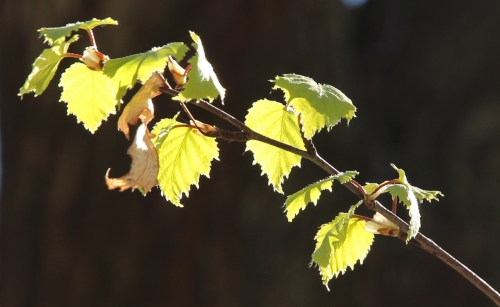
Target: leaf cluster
<point x="173" y="155"/>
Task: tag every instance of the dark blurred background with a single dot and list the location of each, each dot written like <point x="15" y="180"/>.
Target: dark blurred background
<point x="425" y="76"/>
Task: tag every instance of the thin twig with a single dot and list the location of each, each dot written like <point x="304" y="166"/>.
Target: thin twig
<point x="431" y="247"/>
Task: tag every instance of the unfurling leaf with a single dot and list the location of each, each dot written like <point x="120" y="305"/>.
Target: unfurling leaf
<point x="124" y="72"/>
<point x="144" y="169"/>
<point x="420" y="194"/>
<point x="404" y="193"/>
<point x="202" y="82"/>
<point x="320" y="105"/>
<point x="53" y="35"/>
<point x="310" y="194"/>
<point x="381" y="225"/>
<point x="88" y="94"/>
<point x="140" y="101"/>
<point x="341" y="244"/>
<point x="409" y="195"/>
<point x="275" y="121"/>
<point x="45" y="67"/>
<point x="184" y="156"/>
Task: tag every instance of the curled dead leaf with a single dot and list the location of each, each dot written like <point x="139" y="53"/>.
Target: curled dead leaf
<point x="179" y="73"/>
<point x="144" y="169"/>
<point x="140" y="101"/>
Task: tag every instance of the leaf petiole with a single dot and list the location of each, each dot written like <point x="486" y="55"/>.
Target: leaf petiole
<point x="362" y="217"/>
<point x="360" y="187"/>
<point x="91" y="38"/>
<point x="394" y="204"/>
<point x="373" y="195"/>
<point x="73" y="55"/>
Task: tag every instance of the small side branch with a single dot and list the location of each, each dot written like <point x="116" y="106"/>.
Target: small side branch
<point x="246" y="134"/>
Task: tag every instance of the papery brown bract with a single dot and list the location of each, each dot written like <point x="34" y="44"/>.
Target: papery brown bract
<point x="93" y="58"/>
<point x="381" y="225"/>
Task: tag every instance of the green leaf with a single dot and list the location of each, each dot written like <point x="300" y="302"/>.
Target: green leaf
<point x="44" y="68"/>
<point x="310" y="194"/>
<point x="202" y="82"/>
<point x="406" y="196"/>
<point x="404" y="192"/>
<point x="410" y="196"/>
<point x="58" y="34"/>
<point x="426" y="195"/>
<point x="124" y="72"/>
<point x="274" y="120"/>
<point x="184" y="155"/>
<point x="162" y="129"/>
<point x="88" y="94"/>
<point x="401" y="173"/>
<point x="320" y="105"/>
<point x="341" y="244"/>
<point x="370" y="187"/>
<point x="420" y="194"/>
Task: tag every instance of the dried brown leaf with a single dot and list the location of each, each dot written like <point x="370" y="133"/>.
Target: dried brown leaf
<point x="179" y="73"/>
<point x="140" y="101"/>
<point x="144" y="169"/>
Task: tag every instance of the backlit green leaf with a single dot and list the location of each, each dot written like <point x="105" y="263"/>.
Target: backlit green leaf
<point x="426" y="195"/>
<point x="419" y="193"/>
<point x="202" y="82"/>
<point x="45" y="67"/>
<point x="341" y="244"/>
<point x="406" y="196"/>
<point x="310" y="194"/>
<point x="274" y="120"/>
<point x="410" y="196"/>
<point x="184" y="155"/>
<point x="320" y="105"/>
<point x="370" y="187"/>
<point x="88" y="94"/>
<point x="124" y="72"/>
<point x="53" y="35"/>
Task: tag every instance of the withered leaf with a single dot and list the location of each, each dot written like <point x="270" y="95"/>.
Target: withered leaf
<point x="140" y="101"/>
<point x="179" y="73"/>
<point x="144" y="169"/>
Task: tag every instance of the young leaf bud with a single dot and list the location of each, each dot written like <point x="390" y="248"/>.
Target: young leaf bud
<point x="93" y="58"/>
<point x="381" y="225"/>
